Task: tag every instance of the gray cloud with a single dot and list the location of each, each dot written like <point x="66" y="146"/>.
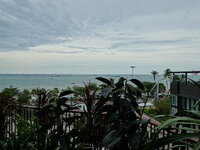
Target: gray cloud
<point x="27" y="23"/>
<point x="116" y="33"/>
<point x="140" y="42"/>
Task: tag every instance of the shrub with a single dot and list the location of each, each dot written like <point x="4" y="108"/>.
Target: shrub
<point x="162" y="106"/>
<point x="23" y="139"/>
<point x="128" y="130"/>
<point x="24" y="97"/>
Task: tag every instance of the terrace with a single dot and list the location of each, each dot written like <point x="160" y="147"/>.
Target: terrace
<point x="53" y="124"/>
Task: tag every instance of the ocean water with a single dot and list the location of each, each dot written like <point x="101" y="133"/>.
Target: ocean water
<point x="62" y="81"/>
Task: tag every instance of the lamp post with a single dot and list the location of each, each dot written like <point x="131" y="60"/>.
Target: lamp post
<point x="132" y="67"/>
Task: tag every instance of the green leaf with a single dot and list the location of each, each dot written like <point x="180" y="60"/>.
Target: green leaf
<point x="138" y="83"/>
<point x="62" y="101"/>
<point x="194" y="112"/>
<point x="111" y="138"/>
<point x="113" y="114"/>
<point x="105" y="108"/>
<point x="187" y="129"/>
<point x="106" y="92"/>
<point x="99" y="104"/>
<point x="162" y="116"/>
<point x="133" y="91"/>
<point x="176" y="120"/>
<point x="197" y="103"/>
<point x="104" y="80"/>
<point x="178" y="146"/>
<point x="64" y="93"/>
<point x="175" y="138"/>
<point x="119" y="84"/>
<point x="197" y="146"/>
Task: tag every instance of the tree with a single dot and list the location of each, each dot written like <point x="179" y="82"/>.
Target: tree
<point x="10" y="92"/>
<point x="167" y="76"/>
<point x="24" y="97"/>
<point x="80" y="91"/>
<point x="154" y="73"/>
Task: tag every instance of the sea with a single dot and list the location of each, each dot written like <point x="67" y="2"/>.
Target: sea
<point x="63" y="81"/>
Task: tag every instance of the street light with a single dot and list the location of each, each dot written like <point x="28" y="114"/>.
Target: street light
<point x="132" y="67"/>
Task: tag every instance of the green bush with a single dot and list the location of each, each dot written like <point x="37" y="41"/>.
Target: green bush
<point x="80" y="91"/>
<point x="23" y="139"/>
<point x="24" y="97"/>
<point x="10" y="92"/>
<point x="162" y="106"/>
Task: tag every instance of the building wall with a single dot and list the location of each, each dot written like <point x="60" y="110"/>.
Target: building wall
<point x="182" y="103"/>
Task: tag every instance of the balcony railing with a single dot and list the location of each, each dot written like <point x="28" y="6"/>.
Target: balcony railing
<point x="29" y="112"/>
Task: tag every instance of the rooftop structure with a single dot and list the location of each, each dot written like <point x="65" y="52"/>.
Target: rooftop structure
<point x="184" y="93"/>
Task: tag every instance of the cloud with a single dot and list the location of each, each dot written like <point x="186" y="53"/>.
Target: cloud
<point x="100" y="32"/>
<point x="28" y="23"/>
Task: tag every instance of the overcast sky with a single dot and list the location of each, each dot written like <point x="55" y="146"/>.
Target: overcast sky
<point x="99" y="36"/>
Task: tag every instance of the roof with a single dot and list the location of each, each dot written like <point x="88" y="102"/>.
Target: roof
<point x="184" y="72"/>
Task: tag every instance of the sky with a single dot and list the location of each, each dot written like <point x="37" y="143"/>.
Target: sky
<point x="99" y="36"/>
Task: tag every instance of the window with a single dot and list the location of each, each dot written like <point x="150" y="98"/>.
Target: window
<point x="187" y="103"/>
<point x="174" y="100"/>
<point x="183" y="103"/>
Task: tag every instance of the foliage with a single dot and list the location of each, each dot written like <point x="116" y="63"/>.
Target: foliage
<point x="128" y="130"/>
<point x="183" y="128"/>
<point x="80" y="91"/>
<point x="104" y="85"/>
<point x="167" y="75"/>
<point x="94" y="129"/>
<point x="150" y="112"/>
<point x="43" y="96"/>
<point x="154" y="73"/>
<point x="23" y="139"/>
<point x="162" y="106"/>
<point x="183" y="123"/>
<point x="150" y="87"/>
<point x="114" y="122"/>
<point x="7" y="102"/>
<point x="54" y="92"/>
<point x="10" y="92"/>
<point x="24" y="97"/>
<point x="55" y="114"/>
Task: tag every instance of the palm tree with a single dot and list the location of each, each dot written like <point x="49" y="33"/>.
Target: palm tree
<point x="154" y="73"/>
<point x="167" y="76"/>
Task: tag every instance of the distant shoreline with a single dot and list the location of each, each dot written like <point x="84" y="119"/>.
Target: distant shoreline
<point x="64" y="74"/>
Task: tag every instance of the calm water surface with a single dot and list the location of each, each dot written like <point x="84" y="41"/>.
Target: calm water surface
<point x="61" y="81"/>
